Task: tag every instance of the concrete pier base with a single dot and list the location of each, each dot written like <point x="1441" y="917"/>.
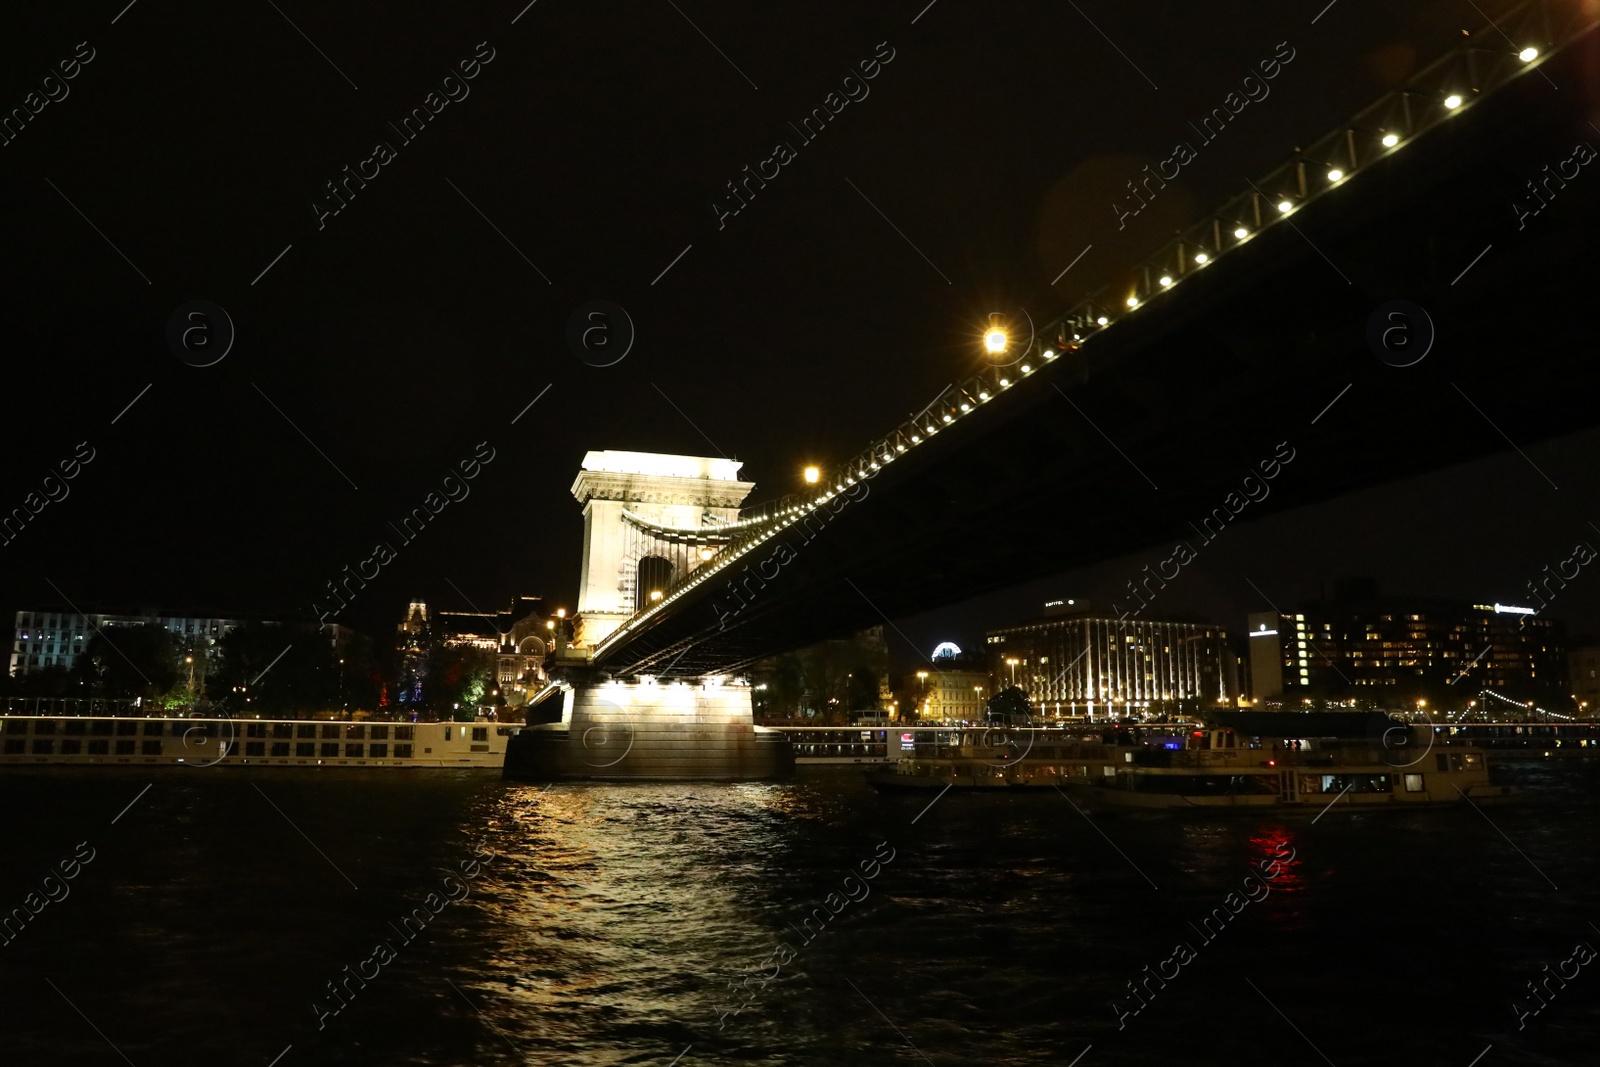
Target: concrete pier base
<point x="650" y="730"/>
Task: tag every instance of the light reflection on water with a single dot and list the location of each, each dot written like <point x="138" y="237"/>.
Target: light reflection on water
<point x="615" y="918"/>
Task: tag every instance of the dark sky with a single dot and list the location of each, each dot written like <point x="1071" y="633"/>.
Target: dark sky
<point x="585" y="157"/>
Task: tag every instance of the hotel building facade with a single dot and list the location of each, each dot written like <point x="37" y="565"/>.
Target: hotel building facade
<point x="1074" y="662"/>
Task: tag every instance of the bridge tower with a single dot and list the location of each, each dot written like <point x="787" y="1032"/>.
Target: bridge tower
<point x="624" y="496"/>
<point x="648" y="520"/>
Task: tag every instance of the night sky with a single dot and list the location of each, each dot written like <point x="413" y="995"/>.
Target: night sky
<point x="584" y="159"/>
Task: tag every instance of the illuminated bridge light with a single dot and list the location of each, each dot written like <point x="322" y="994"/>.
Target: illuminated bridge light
<point x="1051" y="353"/>
<point x="1133" y="301"/>
<point x="947" y="418"/>
<point x="915" y="439"/>
<point x="1026" y="369"/>
<point x="1335" y="174"/>
<point x="1285" y="206"/>
<point x="1390" y="140"/>
<point x="984" y="395"/>
<point x="966" y="408"/>
<point x="1166" y="280"/>
<point x="899" y="448"/>
<point x="1201" y="258"/>
<point x="1452" y="101"/>
<point x="1241" y="233"/>
<point x="1102" y="320"/>
<point x="1528" y="55"/>
<point x="1005" y="383"/>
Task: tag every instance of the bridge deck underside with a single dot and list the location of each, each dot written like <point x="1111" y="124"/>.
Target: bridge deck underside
<point x="1200" y="385"/>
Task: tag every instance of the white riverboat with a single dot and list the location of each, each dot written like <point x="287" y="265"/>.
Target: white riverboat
<point x="32" y="740"/>
<point x="1255" y="761"/>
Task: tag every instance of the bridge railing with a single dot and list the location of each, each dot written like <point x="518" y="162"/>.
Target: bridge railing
<point x="1510" y="47"/>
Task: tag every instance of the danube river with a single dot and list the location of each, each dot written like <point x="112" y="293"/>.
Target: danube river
<point x="809" y="922"/>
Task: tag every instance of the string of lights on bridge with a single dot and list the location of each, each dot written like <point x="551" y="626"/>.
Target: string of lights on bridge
<point x="1431" y="97"/>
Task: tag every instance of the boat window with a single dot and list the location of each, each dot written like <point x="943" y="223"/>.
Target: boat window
<point x="305" y="730"/>
<point x="124" y="748"/>
<point x="305" y="748"/>
<point x="355" y="733"/>
<point x="126" y="727"/>
<point x="255" y="729"/>
<point x="100" y="726"/>
<point x="353" y="751"/>
<point x="77" y="726"/>
<point x="480" y="733"/>
<point x="44" y="748"/>
<point x="1441" y="762"/>
<point x="402" y="733"/>
<point x="44" y="727"/>
<point x="447" y="731"/>
<point x="330" y="748"/>
<point x="380" y="733"/>
<point x="402" y="751"/>
<point x="255" y="748"/>
<point x="380" y="751"/>
<point x="1413" y="783"/>
<point x="330" y="730"/>
<point x="1471" y="759"/>
<point x="16" y="726"/>
<point x="284" y="730"/>
<point x="69" y="747"/>
<point x="153" y="729"/>
<point x="99" y="748"/>
<point x="147" y="748"/>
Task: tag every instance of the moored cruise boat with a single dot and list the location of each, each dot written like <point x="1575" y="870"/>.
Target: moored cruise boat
<point x="1014" y="758"/>
<point x="28" y="740"/>
<point x="1310" y="761"/>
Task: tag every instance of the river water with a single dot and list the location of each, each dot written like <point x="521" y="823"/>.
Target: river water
<point x="807" y="922"/>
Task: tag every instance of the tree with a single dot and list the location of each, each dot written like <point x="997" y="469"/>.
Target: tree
<point x="272" y="668"/>
<point x="128" y="661"/>
<point x="457" y="675"/>
<point x="1010" y="707"/>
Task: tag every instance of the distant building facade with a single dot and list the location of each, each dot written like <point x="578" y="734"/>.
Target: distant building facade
<point x="1583" y="669"/>
<point x="1399" y="650"/>
<point x="45" y="639"/>
<point x="57" y="639"/>
<point x="519" y="638"/>
<point x="1075" y="662"/>
<point x="954" y="695"/>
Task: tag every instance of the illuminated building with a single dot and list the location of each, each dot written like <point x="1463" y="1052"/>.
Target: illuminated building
<point x="1399" y="650"/>
<point x="56" y="639"/>
<point x="1075" y="662"/>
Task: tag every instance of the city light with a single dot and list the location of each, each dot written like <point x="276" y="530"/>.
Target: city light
<point x="812" y="475"/>
<point x="995" y="339"/>
<point x="655" y="594"/>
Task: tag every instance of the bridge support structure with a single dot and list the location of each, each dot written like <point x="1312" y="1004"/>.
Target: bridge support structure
<point x="612" y="729"/>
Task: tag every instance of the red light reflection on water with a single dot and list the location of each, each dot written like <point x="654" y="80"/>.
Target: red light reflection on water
<point x="1273" y="854"/>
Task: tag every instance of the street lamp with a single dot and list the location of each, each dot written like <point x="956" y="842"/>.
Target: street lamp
<point x="812" y="475"/>
<point x="995" y="339"/>
<point x="1012" y="663"/>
